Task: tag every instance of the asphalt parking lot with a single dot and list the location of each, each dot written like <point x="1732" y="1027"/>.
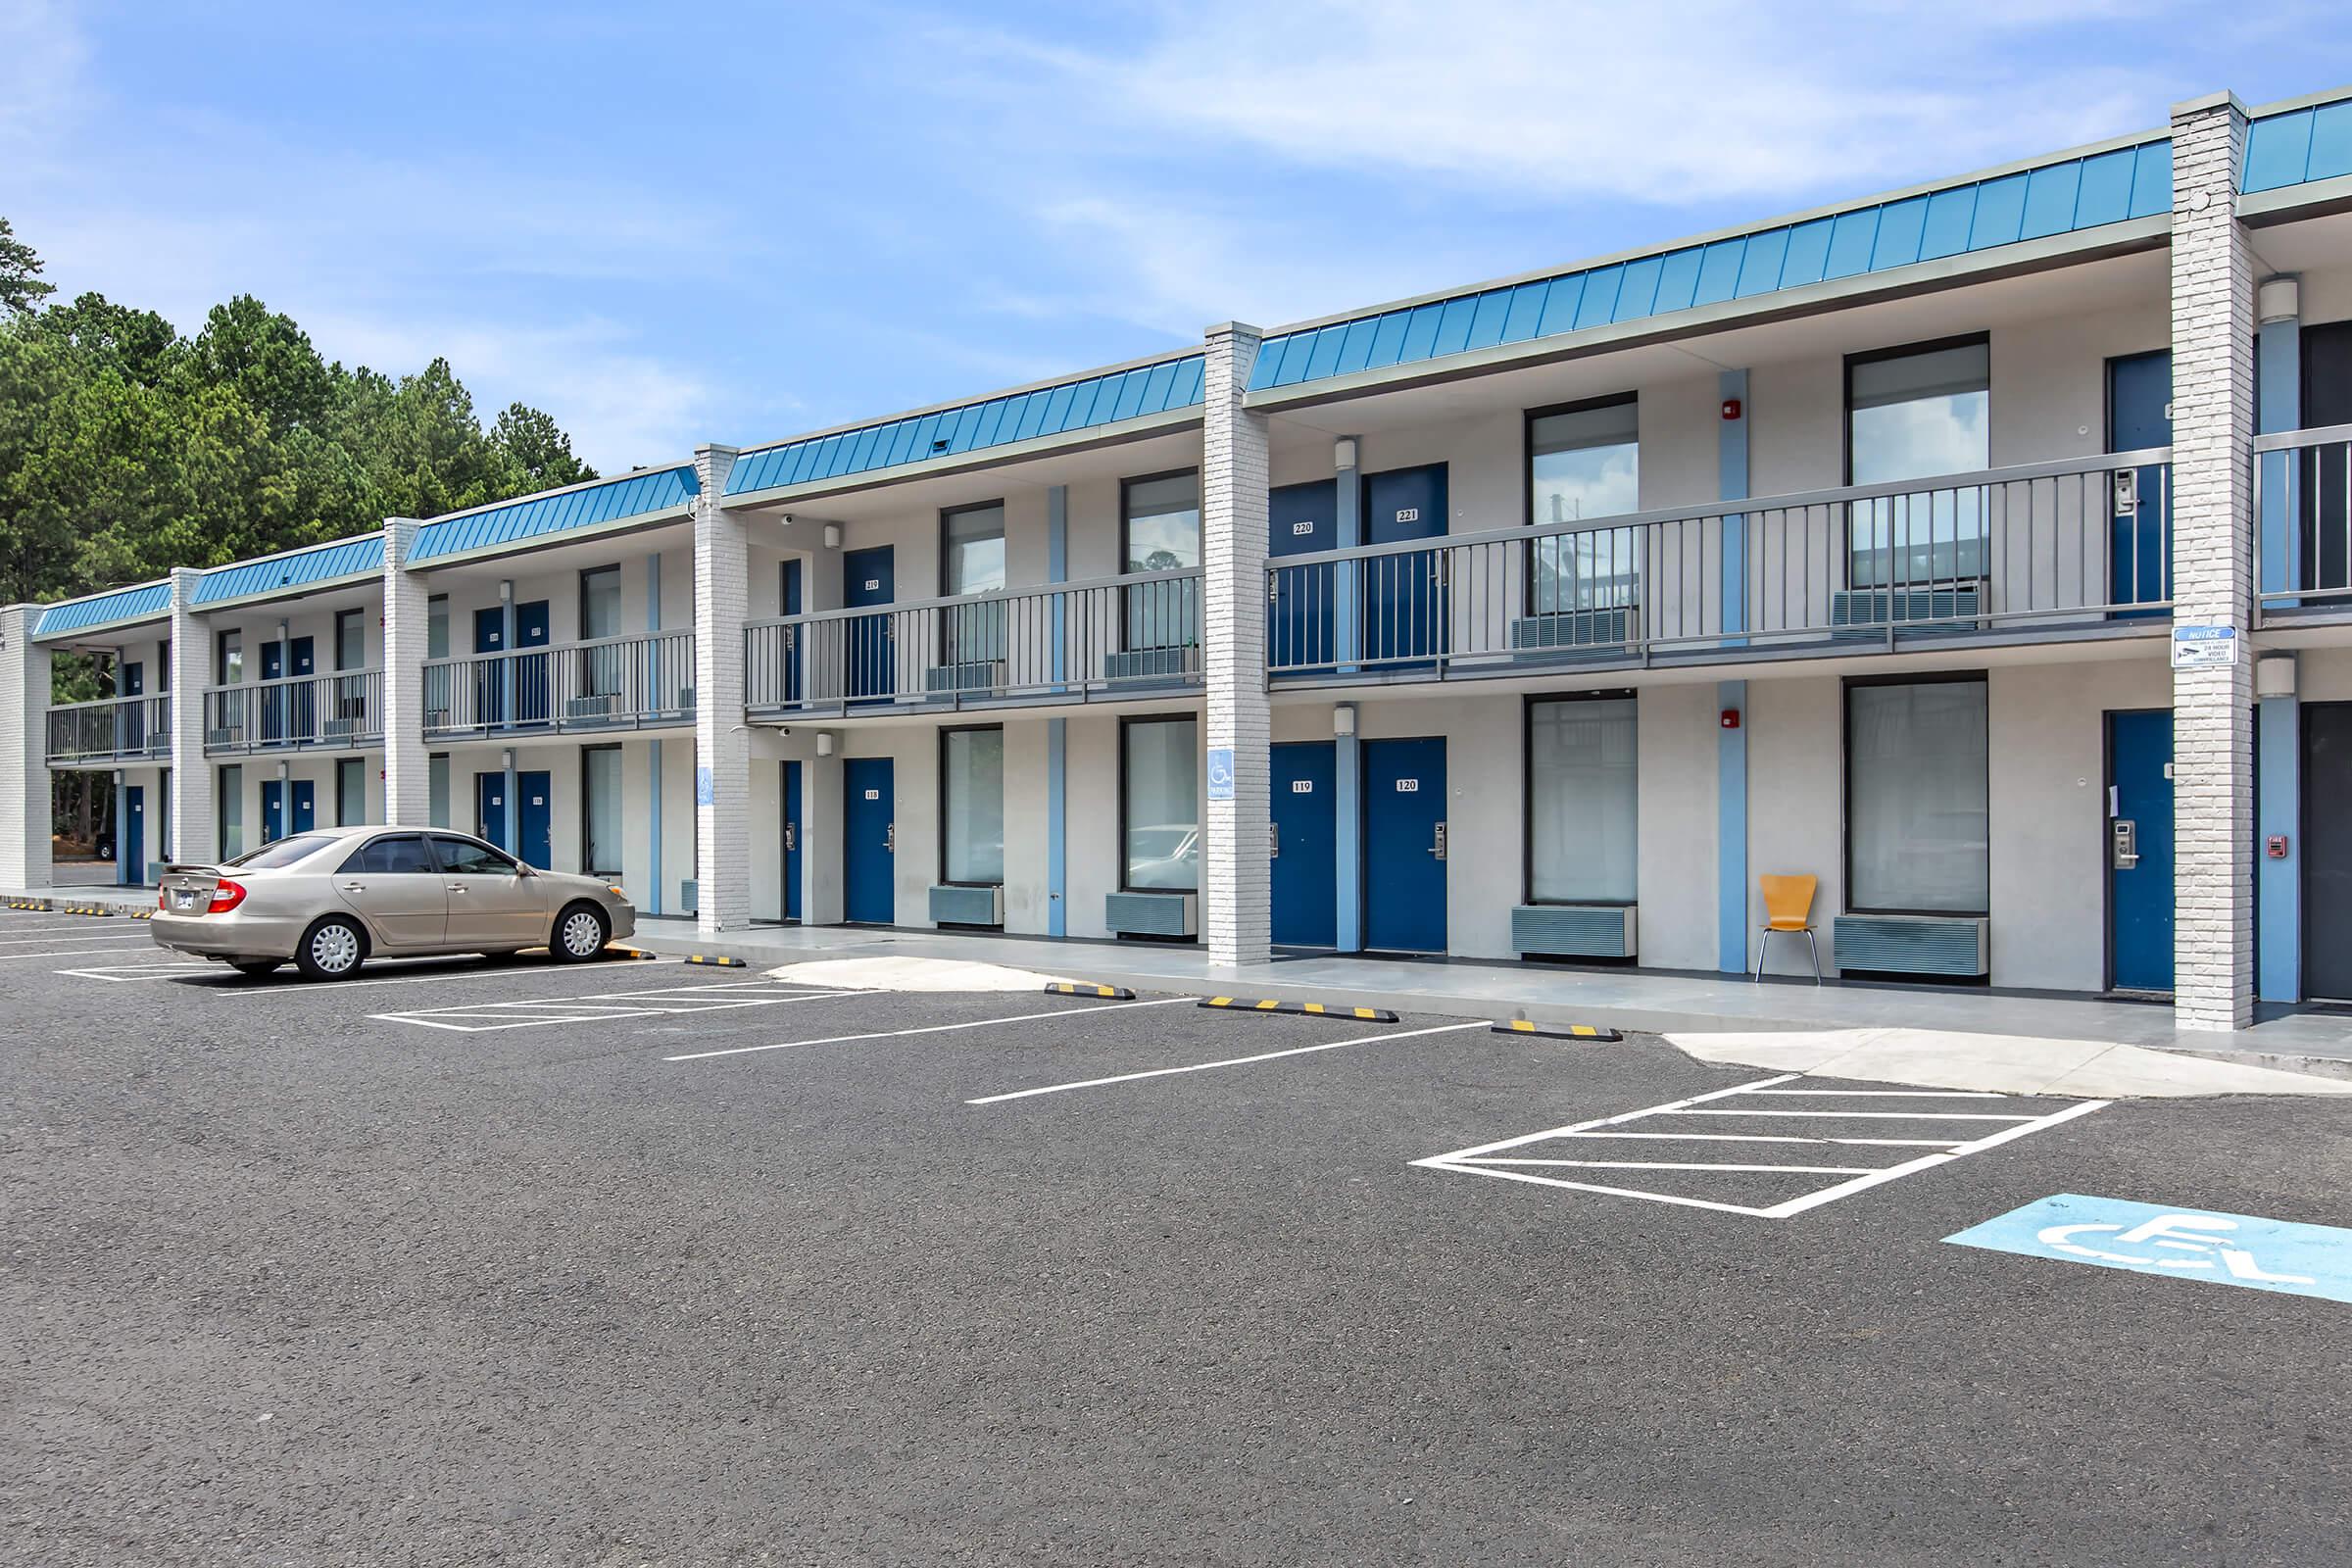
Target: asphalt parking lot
<point x="642" y="1263"/>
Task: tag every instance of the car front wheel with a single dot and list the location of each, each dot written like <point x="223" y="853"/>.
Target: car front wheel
<point x="580" y="933"/>
<point x="331" y="950"/>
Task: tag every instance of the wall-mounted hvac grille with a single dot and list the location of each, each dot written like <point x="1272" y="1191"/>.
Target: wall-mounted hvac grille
<point x="593" y="705"/>
<point x="1949" y="607"/>
<point x="967" y="905"/>
<point x="220" y="739"/>
<point x="1561" y="629"/>
<point x="1574" y="930"/>
<point x="1913" y="943"/>
<point x="1147" y="663"/>
<point x="986" y="676"/>
<point x="338" y="729"/>
<point x="1152" y="914"/>
<point x="689" y="897"/>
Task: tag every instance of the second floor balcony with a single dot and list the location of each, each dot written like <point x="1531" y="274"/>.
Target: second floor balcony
<point x="111" y="730"/>
<point x="1137" y="635"/>
<point x="2303" y="525"/>
<point x="336" y="711"/>
<point x="2037" y="553"/>
<point x="636" y="682"/>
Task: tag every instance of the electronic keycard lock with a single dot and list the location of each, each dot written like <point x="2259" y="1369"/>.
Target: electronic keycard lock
<point x="2124" y="843"/>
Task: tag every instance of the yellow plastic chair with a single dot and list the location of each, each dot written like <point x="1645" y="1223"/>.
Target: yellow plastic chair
<point x="1788" y="907"/>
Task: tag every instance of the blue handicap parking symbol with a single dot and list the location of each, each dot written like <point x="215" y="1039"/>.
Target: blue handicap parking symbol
<point x="2189" y="1244"/>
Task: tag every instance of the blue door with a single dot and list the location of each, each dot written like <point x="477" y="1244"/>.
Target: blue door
<point x="130" y="864"/>
<point x="302" y="707"/>
<point x="490" y="809"/>
<point x="490" y="674"/>
<point x="789" y="599"/>
<point x="1403" y="594"/>
<point x="2139" y="416"/>
<point x="868" y="578"/>
<point x="792" y="841"/>
<point x="305" y="796"/>
<point x="130" y="718"/>
<point x="274" y="811"/>
<point x="868" y="841"/>
<point x="1305" y="856"/>
<point x="537" y="810"/>
<point x="273" y="698"/>
<point x="1301" y="520"/>
<point x="2139" y="850"/>
<point x="532" y="704"/>
<point x="1404" y="846"/>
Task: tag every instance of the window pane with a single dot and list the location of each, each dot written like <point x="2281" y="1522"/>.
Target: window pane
<point x="285" y="852"/>
<point x="600" y="782"/>
<point x="393" y="856"/>
<point x="1917" y="416"/>
<point x="1162" y="769"/>
<point x="351" y="640"/>
<point x="465" y="857"/>
<point x="436" y="626"/>
<point x="600" y="603"/>
<point x="229" y="662"/>
<point x="974" y="808"/>
<point x="437" y="789"/>
<point x="351" y="792"/>
<point x="232" y="812"/>
<point x="1916" y="816"/>
<point x="975" y="550"/>
<point x="1581" y="786"/>
<point x="1163" y="533"/>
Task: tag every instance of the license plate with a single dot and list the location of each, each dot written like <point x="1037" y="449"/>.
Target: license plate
<point x="184" y="898"/>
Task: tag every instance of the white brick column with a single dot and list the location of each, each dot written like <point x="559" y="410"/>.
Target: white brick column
<point x="24" y="751"/>
<point x="2213" y="709"/>
<point x="195" y="825"/>
<point x="722" y="745"/>
<point x="1236" y="892"/>
<point x="408" y="614"/>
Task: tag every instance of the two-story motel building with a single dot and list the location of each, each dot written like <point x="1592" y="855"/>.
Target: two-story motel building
<point x="1536" y="618"/>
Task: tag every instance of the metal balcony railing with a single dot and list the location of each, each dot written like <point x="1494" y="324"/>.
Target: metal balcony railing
<point x="2080" y="547"/>
<point x="305" y="711"/>
<point x="2303" y="522"/>
<point x="633" y="682"/>
<point x="112" y="729"/>
<point x="1062" y="642"/>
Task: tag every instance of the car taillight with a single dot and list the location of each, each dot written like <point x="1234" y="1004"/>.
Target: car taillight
<point x="163" y="900"/>
<point x="227" y="896"/>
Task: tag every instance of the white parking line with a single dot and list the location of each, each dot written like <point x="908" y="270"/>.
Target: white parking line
<point x="927" y="1029"/>
<point x="1229" y="1062"/>
<point x="103" y="946"/>
<point x="44" y="933"/>
<point x="1489" y="1159"/>
<point x="125" y="973"/>
<point x="540" y="1012"/>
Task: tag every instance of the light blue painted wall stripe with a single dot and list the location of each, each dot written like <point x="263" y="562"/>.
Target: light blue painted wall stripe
<point x="1347" y="531"/>
<point x="2279" y="884"/>
<point x="1058" y="730"/>
<point x="1731" y="464"/>
<point x="652" y="622"/>
<point x="1348" y="788"/>
<point x="1731" y="745"/>
<point x="2279" y="403"/>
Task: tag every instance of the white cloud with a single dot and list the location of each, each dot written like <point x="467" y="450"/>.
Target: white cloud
<point x="1674" y="102"/>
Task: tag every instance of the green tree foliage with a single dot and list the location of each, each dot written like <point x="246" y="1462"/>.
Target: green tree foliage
<point x="127" y="449"/>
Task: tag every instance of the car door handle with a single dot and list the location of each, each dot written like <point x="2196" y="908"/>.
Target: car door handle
<point x="457" y="887"/>
<point x="355" y="886"/>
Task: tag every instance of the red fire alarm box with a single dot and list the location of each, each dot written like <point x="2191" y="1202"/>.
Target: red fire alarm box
<point x="2276" y="846"/>
<point x="1730" y="408"/>
<point x="1730" y="719"/>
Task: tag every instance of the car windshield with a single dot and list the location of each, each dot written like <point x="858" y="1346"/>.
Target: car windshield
<point x="285" y="852"/>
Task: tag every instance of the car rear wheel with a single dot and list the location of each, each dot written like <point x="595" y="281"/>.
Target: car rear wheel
<point x="256" y="968"/>
<point x="331" y="950"/>
<point x="580" y="933"/>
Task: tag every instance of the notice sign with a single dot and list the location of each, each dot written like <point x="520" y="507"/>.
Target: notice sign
<point x="1220" y="772"/>
<point x="2203" y="647"/>
<point x="706" y="788"/>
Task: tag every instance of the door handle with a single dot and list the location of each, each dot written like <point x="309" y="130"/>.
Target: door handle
<point x="355" y="886"/>
<point x="2126" y="844"/>
<point x="1273" y="841"/>
<point x="792" y="835"/>
<point x="1438" y="845"/>
<point x="890" y="839"/>
<point x="457" y="887"/>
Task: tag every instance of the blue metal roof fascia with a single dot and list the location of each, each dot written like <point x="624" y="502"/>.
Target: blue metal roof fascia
<point x="295" y="569"/>
<point x="592" y="505"/>
<point x="1109" y="397"/>
<point x="143" y="603"/>
<point x="2099" y="187"/>
<point x="2296" y="146"/>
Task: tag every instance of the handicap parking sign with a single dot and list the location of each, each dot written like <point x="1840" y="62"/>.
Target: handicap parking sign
<point x="1220" y="772"/>
<point x="2185" y="1243"/>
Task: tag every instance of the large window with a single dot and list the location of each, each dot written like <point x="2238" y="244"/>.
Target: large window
<point x="1917" y="833"/>
<point x="1160" y="531"/>
<point x="971" y="805"/>
<point x="1919" y="414"/>
<point x="601" y="670"/>
<point x="230" y="782"/>
<point x="1584" y="464"/>
<point x="436" y="789"/>
<point x="600" y="810"/>
<point x="1160" y="769"/>
<point x="1580" y="812"/>
<point x="229" y="659"/>
<point x="351" y="792"/>
<point x="436" y="626"/>
<point x="971" y="547"/>
<point x="351" y="639"/>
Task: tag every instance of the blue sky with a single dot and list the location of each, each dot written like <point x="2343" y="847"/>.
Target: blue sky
<point x="737" y="223"/>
